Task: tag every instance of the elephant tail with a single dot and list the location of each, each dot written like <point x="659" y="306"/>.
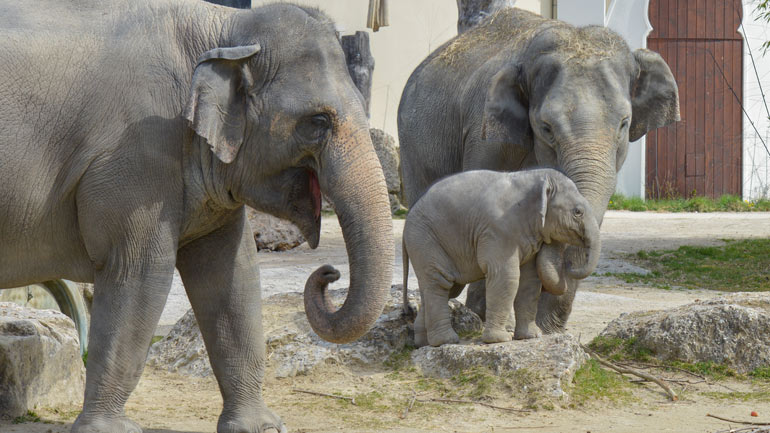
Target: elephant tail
<point x="408" y="311"/>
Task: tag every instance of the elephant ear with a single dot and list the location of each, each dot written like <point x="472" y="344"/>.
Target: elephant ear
<point x="506" y="112"/>
<point x="545" y="194"/>
<point x="655" y="96"/>
<point x="217" y="104"/>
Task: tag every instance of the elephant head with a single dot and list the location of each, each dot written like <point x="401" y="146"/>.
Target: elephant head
<point x="285" y="123"/>
<point x="574" y="99"/>
<point x="566" y="217"/>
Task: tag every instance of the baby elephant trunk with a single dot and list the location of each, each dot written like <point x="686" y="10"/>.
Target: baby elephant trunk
<point x="555" y="265"/>
<point x="583" y="261"/>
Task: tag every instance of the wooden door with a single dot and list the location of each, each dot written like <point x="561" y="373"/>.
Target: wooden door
<point x="701" y="155"/>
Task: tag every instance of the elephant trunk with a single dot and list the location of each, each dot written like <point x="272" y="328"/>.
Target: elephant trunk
<point x="594" y="175"/>
<point x="592" y="250"/>
<point x="351" y="177"/>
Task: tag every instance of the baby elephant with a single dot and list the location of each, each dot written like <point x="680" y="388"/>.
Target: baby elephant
<point x="486" y="224"/>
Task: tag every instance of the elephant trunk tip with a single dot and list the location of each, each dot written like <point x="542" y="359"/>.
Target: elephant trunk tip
<point x="318" y="305"/>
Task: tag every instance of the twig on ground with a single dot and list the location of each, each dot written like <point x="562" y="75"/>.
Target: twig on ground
<point x="323" y="394"/>
<point x="699" y="376"/>
<point x="452" y="400"/>
<point x="763" y="424"/>
<point x="409" y="406"/>
<point x="627" y="370"/>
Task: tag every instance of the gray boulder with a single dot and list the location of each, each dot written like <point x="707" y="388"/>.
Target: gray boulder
<point x="271" y="233"/>
<point x="550" y="361"/>
<point x="182" y="350"/>
<point x="387" y="152"/>
<point x="293" y="348"/>
<point x="732" y="329"/>
<point x="40" y="363"/>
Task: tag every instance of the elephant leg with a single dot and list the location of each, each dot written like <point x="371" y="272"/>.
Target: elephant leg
<point x="221" y="277"/>
<point x="420" y="332"/>
<point x="502" y="285"/>
<point x="476" y="299"/>
<point x="437" y="316"/>
<point x="128" y="301"/>
<point x="553" y="311"/>
<point x="525" y="303"/>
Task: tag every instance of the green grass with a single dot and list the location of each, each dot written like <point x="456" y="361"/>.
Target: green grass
<point x="592" y="382"/>
<point x="742" y="265"/>
<point x="726" y="203"/>
<point x="155" y="339"/>
<point x="741" y="396"/>
<point x="399" y="360"/>
<point x="30" y="416"/>
<point x="762" y="373"/>
<point x="620" y="349"/>
<point x="85" y="358"/>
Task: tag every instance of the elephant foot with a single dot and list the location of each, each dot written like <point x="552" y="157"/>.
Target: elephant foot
<point x="510" y="324"/>
<point x="443" y="336"/>
<point x="104" y="424"/>
<point x="420" y="338"/>
<point x="526" y="332"/>
<point x="264" y="422"/>
<point x="495" y="336"/>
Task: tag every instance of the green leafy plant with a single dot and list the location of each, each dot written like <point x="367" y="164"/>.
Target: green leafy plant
<point x="30" y="416"/>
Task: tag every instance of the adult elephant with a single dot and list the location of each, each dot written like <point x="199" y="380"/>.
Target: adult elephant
<point x="132" y="133"/>
<point x="520" y="91"/>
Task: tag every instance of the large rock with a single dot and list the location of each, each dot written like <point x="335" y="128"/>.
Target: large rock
<point x="732" y="329"/>
<point x="182" y="350"/>
<point x="273" y="234"/>
<point x="293" y="347"/>
<point x="387" y="152"/>
<point x="552" y="359"/>
<point x="40" y="363"/>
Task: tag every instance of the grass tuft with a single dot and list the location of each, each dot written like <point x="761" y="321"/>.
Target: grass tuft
<point x="736" y="266"/>
<point x="592" y="382"/>
<point x="726" y="203"/>
<point x="30" y="416"/>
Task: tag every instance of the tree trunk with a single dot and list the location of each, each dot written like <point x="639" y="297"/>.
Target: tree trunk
<point x="472" y="12"/>
<point x="360" y="64"/>
<point x="242" y="4"/>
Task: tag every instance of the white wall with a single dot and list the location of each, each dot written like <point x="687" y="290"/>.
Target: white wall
<point x="630" y="19"/>
<point x="756" y="161"/>
<point x="417" y="27"/>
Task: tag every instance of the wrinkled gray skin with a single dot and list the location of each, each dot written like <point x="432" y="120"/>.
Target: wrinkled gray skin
<point x="485" y="224"/>
<point x="133" y="132"/>
<point x="521" y="91"/>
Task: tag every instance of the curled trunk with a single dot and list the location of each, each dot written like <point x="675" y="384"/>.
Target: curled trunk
<point x="581" y="262"/>
<point x="352" y="179"/>
<point x="560" y="267"/>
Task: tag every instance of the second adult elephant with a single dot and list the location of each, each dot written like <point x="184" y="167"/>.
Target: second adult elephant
<point x="521" y="91"/>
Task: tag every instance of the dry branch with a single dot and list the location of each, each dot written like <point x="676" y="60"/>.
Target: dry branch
<point x="699" y="376"/>
<point x="322" y="394"/>
<point x="627" y="370"/>
<point x="452" y="400"/>
<point x="409" y="406"/>
<point x="762" y="424"/>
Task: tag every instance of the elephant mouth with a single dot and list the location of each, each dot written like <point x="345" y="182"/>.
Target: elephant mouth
<point x="312" y="231"/>
<point x="315" y="193"/>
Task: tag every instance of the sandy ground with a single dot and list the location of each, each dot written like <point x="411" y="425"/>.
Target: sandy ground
<point x="168" y="403"/>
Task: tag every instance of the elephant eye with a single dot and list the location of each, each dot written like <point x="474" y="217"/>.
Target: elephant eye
<point x="547" y="131"/>
<point x="314" y="128"/>
<point x="578" y="212"/>
<point x="624" y="123"/>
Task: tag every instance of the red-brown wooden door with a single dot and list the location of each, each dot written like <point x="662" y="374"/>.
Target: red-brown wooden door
<point x="700" y="155"/>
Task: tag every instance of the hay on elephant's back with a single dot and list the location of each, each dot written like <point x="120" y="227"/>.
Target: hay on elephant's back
<point x="517" y="27"/>
<point x="512" y="25"/>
